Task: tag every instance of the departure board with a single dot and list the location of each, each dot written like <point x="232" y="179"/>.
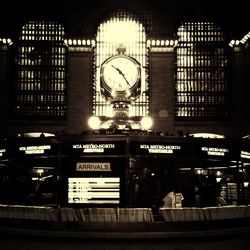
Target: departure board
<point x="94" y="190"/>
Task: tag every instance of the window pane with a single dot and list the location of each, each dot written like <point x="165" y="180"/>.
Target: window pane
<point x="40" y="83"/>
<point x="202" y="86"/>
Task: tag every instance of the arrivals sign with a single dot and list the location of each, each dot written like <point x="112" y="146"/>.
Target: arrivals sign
<point x="93" y="166"/>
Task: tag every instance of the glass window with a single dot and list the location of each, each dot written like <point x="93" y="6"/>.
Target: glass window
<point x="201" y="85"/>
<point x="39" y="89"/>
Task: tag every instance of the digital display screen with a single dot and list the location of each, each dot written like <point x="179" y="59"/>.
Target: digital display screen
<point x="94" y="190"/>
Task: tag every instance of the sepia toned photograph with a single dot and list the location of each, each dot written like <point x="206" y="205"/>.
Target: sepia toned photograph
<point x="125" y="124"/>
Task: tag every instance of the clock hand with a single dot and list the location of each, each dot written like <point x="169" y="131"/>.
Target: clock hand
<point x="120" y="72"/>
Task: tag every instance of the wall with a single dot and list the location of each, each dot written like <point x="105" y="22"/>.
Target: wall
<point x="162" y="90"/>
<point x="80" y="75"/>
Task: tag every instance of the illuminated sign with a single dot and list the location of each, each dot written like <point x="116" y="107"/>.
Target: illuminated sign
<point x="93" y="148"/>
<point x="34" y="149"/>
<point x="92" y="166"/>
<point x="215" y="151"/>
<point x="137" y="147"/>
<point x="160" y="149"/>
<point x="2" y="151"/>
<point x="94" y="190"/>
<point x="245" y="154"/>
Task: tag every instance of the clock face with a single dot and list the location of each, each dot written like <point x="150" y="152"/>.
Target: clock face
<point x="120" y="73"/>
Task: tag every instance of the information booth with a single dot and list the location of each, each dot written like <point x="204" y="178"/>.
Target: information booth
<point x="124" y="170"/>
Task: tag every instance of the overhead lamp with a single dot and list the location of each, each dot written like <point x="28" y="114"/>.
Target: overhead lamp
<point x="146" y="122"/>
<point x="94" y="122"/>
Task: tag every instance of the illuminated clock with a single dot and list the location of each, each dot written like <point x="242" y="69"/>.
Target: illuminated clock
<point x="120" y="73"/>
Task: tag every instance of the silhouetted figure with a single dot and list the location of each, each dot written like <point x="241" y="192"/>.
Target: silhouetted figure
<point x="146" y="190"/>
<point x="209" y="191"/>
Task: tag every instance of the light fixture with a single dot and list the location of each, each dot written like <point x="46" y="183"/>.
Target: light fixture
<point x="207" y="135"/>
<point x="94" y="122"/>
<point x="146" y="122"/>
<point x="218" y="179"/>
<point x="37" y="134"/>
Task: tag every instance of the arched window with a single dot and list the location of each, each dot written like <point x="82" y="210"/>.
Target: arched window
<point x="40" y="78"/>
<point x="121" y="28"/>
<point x="202" y="88"/>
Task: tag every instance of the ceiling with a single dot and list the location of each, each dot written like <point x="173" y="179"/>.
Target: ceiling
<point x="80" y="18"/>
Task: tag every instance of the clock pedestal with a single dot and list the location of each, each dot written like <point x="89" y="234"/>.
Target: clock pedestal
<point x="121" y="112"/>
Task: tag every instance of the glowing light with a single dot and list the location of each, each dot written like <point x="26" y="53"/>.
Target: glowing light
<point x="94" y="122"/>
<point x="37" y="134"/>
<point x="39" y="171"/>
<point x="146" y="122"/>
<point x="218" y="173"/>
<point x="123" y="32"/>
<point x="218" y="179"/>
<point x="207" y="135"/>
<point x="109" y="112"/>
<point x="246" y="184"/>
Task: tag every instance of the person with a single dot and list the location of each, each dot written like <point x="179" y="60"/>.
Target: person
<point x="172" y="199"/>
<point x="209" y="191"/>
<point x="168" y="200"/>
<point x="146" y="188"/>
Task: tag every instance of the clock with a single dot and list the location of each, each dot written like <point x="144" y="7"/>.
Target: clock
<point x="120" y="73"/>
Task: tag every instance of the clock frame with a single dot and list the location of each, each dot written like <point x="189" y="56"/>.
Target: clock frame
<point x="120" y="75"/>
